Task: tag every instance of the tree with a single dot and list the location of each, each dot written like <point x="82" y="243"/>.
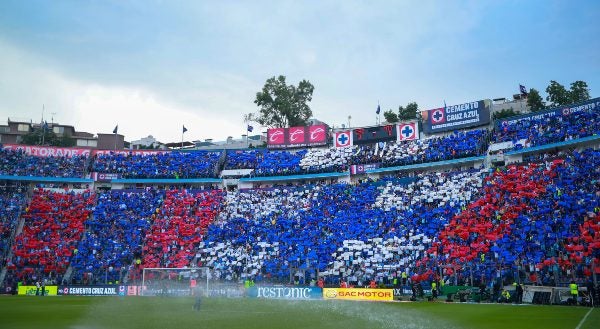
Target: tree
<point x="39" y="136"/>
<point x="409" y="112"/>
<point x="47" y="137"/>
<point x="505" y="113"/>
<point x="64" y="141"/>
<point x="390" y="116"/>
<point x="557" y="94"/>
<point x="282" y="105"/>
<point x="535" y="101"/>
<point x="579" y="92"/>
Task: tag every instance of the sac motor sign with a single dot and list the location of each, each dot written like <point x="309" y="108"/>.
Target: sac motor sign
<point x="358" y="294"/>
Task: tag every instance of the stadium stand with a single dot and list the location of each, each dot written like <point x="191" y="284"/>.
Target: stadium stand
<point x="178" y="227"/>
<point x="454" y="146"/>
<point x="280" y="163"/>
<point x="324" y="227"/>
<point x="243" y="159"/>
<point x="197" y="164"/>
<point x="549" y="129"/>
<point x="537" y="221"/>
<point x="114" y="235"/>
<point x="18" y="163"/>
<point x="54" y="223"/>
<point x="12" y="202"/>
<point x="524" y="220"/>
<point x="327" y="160"/>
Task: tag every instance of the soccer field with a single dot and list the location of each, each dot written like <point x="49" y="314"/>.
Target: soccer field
<point x="156" y="312"/>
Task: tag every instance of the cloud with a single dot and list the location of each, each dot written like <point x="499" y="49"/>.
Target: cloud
<point x="27" y="84"/>
<point x="155" y="65"/>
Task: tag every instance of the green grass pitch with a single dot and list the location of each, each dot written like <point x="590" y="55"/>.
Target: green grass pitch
<point x="21" y="312"/>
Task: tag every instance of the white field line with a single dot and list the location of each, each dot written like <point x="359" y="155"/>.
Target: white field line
<point x="583" y="320"/>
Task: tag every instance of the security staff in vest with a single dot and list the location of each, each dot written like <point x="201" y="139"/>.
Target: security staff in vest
<point x="434" y="292"/>
<point x="504" y="296"/>
<point x="574" y="292"/>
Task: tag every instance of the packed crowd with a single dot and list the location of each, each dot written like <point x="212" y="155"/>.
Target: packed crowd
<point x="198" y="164"/>
<point x="282" y="162"/>
<point x="178" y="227"/>
<point x="12" y="202"/>
<point x="243" y="159"/>
<point x="537" y="222"/>
<point x="114" y="236"/>
<point x="550" y="129"/>
<point x="459" y="144"/>
<point x="54" y="224"/>
<point x="19" y="163"/>
<point x="372" y="231"/>
<point x="533" y="223"/>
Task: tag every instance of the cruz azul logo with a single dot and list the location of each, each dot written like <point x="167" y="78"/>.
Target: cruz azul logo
<point x="276" y="136"/>
<point x="296" y="135"/>
<point x="438" y="116"/>
<point x="407" y="131"/>
<point x="343" y="138"/>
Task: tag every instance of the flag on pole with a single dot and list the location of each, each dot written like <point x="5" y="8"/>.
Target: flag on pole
<point x="445" y="106"/>
<point x="523" y="89"/>
<point x="45" y="126"/>
<point x="116" y="129"/>
<point x="378" y="109"/>
<point x="250" y="128"/>
<point x="184" y="129"/>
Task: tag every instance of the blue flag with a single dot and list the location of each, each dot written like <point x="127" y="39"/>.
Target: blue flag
<point x="250" y="128"/>
<point x="116" y="129"/>
<point x="378" y="109"/>
<point x="523" y="89"/>
<point x="184" y="129"/>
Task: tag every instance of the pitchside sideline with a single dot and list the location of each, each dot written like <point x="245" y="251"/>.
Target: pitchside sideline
<point x="18" y="312"/>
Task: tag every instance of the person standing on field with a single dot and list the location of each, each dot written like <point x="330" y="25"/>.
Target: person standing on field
<point x="198" y="299"/>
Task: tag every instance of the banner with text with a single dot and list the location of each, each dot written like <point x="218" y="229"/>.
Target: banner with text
<point x="107" y="290"/>
<point x="104" y="177"/>
<point x="31" y="290"/>
<point x="280" y="138"/>
<point x="471" y="114"/>
<point x="275" y="292"/>
<point x="589" y="105"/>
<point x="358" y="294"/>
<point x="48" y="151"/>
<point x="128" y="152"/>
<point x="362" y="168"/>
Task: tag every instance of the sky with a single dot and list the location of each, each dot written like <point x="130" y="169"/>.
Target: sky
<point x="153" y="66"/>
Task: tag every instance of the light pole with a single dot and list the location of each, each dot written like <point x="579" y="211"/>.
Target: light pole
<point x="349" y="118"/>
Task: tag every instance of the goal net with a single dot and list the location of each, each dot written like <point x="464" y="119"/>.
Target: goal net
<point x="175" y="281"/>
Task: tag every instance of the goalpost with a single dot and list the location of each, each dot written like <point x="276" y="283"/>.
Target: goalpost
<point x="164" y="281"/>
